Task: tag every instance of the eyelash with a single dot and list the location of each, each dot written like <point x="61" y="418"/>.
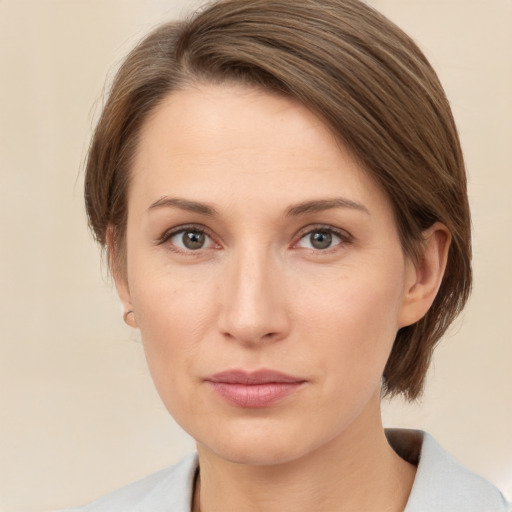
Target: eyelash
<point x="344" y="237"/>
<point x="185" y="229"/>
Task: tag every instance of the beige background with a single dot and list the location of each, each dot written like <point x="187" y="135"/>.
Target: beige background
<point x="78" y="413"/>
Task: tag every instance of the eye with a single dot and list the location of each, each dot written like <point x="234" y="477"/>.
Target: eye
<point x="189" y="239"/>
<point x="321" y="239"/>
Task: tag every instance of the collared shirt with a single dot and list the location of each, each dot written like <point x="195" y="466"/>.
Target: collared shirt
<point x="441" y="483"/>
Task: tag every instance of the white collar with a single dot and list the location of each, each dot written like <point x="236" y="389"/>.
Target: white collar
<point x="441" y="483"/>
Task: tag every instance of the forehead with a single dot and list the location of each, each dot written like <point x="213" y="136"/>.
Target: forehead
<point x="228" y="141"/>
<point x="218" y="118"/>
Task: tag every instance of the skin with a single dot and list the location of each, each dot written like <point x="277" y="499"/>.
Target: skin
<point x="259" y="175"/>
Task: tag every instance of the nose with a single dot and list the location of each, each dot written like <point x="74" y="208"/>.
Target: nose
<point x="254" y="299"/>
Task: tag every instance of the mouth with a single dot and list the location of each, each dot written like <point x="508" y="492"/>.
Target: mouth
<point x="254" y="390"/>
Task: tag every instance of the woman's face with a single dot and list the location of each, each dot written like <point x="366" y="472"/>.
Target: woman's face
<point x="265" y="273"/>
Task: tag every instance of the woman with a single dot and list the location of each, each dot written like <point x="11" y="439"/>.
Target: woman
<point x="281" y="192"/>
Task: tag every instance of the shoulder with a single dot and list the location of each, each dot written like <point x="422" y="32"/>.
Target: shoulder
<point x="441" y="483"/>
<point x="168" y="490"/>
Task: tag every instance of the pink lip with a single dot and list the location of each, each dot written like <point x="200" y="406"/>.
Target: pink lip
<point x="257" y="389"/>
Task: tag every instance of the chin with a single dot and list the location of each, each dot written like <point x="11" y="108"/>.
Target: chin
<point x="254" y="452"/>
<point x="258" y="443"/>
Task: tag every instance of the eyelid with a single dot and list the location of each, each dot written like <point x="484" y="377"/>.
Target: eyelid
<point x="167" y="235"/>
<point x="345" y="236"/>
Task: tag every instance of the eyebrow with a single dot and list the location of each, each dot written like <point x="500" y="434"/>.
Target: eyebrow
<point x="325" y="204"/>
<point x="183" y="204"/>
<point x="303" y="208"/>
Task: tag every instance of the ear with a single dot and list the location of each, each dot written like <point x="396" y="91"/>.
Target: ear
<point x="423" y="278"/>
<point x="118" y="271"/>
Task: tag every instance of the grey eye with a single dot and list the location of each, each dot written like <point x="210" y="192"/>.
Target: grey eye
<point x="320" y="239"/>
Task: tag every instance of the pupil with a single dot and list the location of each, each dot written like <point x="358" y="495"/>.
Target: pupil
<point x="321" y="240"/>
<point x="193" y="239"/>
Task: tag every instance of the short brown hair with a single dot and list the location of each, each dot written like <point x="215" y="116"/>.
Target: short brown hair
<point x="357" y="71"/>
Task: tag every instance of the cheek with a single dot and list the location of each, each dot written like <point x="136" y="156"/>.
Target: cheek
<point x="353" y="320"/>
<point x="354" y="342"/>
<point x="172" y="304"/>
<point x="356" y="300"/>
<point x="174" y="317"/>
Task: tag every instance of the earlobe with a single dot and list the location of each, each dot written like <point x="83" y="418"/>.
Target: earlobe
<point x="129" y="318"/>
<point x="423" y="278"/>
<point x="120" y="279"/>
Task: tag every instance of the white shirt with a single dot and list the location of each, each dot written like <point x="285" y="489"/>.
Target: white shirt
<point x="441" y="483"/>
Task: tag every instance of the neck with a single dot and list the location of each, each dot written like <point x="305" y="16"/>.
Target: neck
<point x="357" y="470"/>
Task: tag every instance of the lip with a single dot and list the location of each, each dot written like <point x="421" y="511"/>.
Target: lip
<point x="256" y="389"/>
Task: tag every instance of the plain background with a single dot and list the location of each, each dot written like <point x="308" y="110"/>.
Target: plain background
<point x="78" y="412"/>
